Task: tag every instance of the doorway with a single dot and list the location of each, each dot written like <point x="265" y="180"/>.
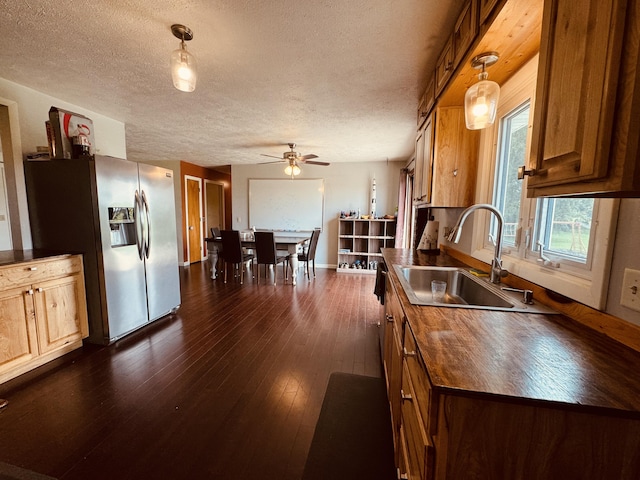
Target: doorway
<point x="214" y="205"/>
<point x="193" y="217"/>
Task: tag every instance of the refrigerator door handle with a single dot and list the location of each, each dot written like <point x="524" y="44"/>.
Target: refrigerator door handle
<point x="147" y="226"/>
<point x="138" y="224"/>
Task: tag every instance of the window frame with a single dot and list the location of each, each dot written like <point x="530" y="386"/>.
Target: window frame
<point x="574" y="280"/>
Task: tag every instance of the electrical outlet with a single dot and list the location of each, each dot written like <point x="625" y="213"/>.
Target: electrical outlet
<point x="630" y="297"/>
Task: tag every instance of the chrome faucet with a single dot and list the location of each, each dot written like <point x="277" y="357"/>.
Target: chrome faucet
<point x="497" y="272"/>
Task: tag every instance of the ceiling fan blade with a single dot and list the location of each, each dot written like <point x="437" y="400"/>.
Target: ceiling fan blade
<point x="306" y="157"/>
<point x="276" y="161"/>
<point x="272" y="156"/>
<point x="311" y="162"/>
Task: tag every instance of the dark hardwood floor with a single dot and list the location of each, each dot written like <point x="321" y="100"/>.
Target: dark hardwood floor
<point x="230" y="387"/>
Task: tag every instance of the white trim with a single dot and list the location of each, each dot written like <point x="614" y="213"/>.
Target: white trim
<point x="186" y="216"/>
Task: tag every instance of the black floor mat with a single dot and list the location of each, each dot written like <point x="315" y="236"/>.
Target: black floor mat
<point x="353" y="436"/>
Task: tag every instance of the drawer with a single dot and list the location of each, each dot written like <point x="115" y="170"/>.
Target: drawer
<point x="28" y="273"/>
<point x="420" y="381"/>
<point x="419" y="448"/>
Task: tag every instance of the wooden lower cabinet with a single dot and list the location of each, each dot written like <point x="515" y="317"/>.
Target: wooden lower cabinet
<point x="445" y="434"/>
<point x="43" y="312"/>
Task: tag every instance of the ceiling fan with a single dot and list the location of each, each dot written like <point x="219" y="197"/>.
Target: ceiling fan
<point x="294" y="158"/>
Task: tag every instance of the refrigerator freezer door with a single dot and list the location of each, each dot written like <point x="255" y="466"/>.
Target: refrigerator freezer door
<point x="117" y="182"/>
<point x="163" y="280"/>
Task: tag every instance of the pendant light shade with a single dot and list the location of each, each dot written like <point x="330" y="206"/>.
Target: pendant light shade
<point x="183" y="63"/>
<point x="481" y="99"/>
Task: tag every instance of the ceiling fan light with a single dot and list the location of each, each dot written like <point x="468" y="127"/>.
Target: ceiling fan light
<point x="296" y="170"/>
<point x="288" y="170"/>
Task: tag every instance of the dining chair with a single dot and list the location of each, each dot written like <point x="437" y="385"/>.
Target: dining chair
<point x="215" y="232"/>
<point x="266" y="254"/>
<point x="233" y="254"/>
<point x="309" y="255"/>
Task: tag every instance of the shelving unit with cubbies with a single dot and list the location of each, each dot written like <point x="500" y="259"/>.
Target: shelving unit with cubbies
<point x="360" y="242"/>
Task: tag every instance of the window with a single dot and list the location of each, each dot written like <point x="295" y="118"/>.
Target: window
<point x="559" y="243"/>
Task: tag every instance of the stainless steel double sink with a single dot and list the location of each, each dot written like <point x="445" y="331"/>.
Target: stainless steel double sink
<point x="464" y="290"/>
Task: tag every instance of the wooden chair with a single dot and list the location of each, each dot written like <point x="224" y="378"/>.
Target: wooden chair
<point x="310" y="254"/>
<point x="233" y="254"/>
<point x="215" y="232"/>
<point x="266" y="254"/>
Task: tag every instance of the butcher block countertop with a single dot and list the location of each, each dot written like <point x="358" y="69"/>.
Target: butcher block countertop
<point x="12" y="257"/>
<point x="520" y="356"/>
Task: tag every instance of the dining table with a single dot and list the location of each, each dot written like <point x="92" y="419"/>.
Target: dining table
<point x="291" y="243"/>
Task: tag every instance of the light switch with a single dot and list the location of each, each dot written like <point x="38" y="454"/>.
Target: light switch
<point x="630" y="297"/>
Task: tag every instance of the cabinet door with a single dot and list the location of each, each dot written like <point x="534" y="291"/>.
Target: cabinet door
<point x="465" y="32"/>
<point x="427" y="101"/>
<point x="418" y="196"/>
<point x="455" y="160"/>
<point x="427" y="158"/>
<point x="393" y="357"/>
<point x="444" y="66"/>
<point x="60" y="312"/>
<point x="579" y="63"/>
<point x="18" y="338"/>
<point x="486" y="7"/>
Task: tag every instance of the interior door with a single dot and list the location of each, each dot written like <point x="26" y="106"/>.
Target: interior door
<point x="194" y="224"/>
<point x="214" y="194"/>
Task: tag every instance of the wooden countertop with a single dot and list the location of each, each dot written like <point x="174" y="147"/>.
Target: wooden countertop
<point x="10" y="257"/>
<point x="541" y="358"/>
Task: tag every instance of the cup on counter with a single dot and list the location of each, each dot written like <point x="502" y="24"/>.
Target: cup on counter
<point x="438" y="290"/>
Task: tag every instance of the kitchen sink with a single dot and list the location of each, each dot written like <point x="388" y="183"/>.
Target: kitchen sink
<point x="464" y="290"/>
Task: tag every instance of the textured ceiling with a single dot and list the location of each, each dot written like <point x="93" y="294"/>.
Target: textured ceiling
<point x="341" y="78"/>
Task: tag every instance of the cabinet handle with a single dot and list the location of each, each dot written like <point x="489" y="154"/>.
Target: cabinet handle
<point x="522" y="172"/>
<point x="39" y="290"/>
<point x="32" y="269"/>
<point x="29" y="292"/>
<point x="389" y="317"/>
<point x="405" y="396"/>
<point x="407" y="353"/>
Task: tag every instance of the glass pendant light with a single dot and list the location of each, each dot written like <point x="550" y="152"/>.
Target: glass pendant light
<point x="183" y="64"/>
<point x="481" y="99"/>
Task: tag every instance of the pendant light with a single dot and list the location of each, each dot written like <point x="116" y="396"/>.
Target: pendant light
<point x="183" y="64"/>
<point x="481" y="99"/>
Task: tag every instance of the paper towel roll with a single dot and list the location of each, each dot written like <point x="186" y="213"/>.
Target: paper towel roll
<point x="429" y="239"/>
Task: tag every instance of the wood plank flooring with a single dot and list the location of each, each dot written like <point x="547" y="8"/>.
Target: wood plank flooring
<point x="230" y="387"/>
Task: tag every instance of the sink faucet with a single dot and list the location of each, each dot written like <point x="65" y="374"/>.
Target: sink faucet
<point x="497" y="272"/>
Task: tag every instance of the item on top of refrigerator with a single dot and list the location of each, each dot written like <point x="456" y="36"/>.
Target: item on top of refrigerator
<point x="67" y="125"/>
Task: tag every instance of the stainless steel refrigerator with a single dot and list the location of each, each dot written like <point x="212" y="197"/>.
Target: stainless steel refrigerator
<point x="121" y="216"/>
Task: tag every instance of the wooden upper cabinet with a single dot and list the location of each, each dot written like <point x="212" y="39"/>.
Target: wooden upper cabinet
<point x="427" y="101"/>
<point x="465" y="31"/>
<point x="585" y="132"/>
<point x="444" y="66"/>
<point x="486" y="7"/>
<point x="427" y="157"/>
<point x="417" y="172"/>
<point x="455" y="159"/>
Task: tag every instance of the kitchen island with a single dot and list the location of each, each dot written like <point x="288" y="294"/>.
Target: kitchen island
<point x="494" y="394"/>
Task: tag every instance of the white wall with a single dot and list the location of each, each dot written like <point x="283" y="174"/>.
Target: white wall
<point x="28" y="111"/>
<point x="347" y="187"/>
